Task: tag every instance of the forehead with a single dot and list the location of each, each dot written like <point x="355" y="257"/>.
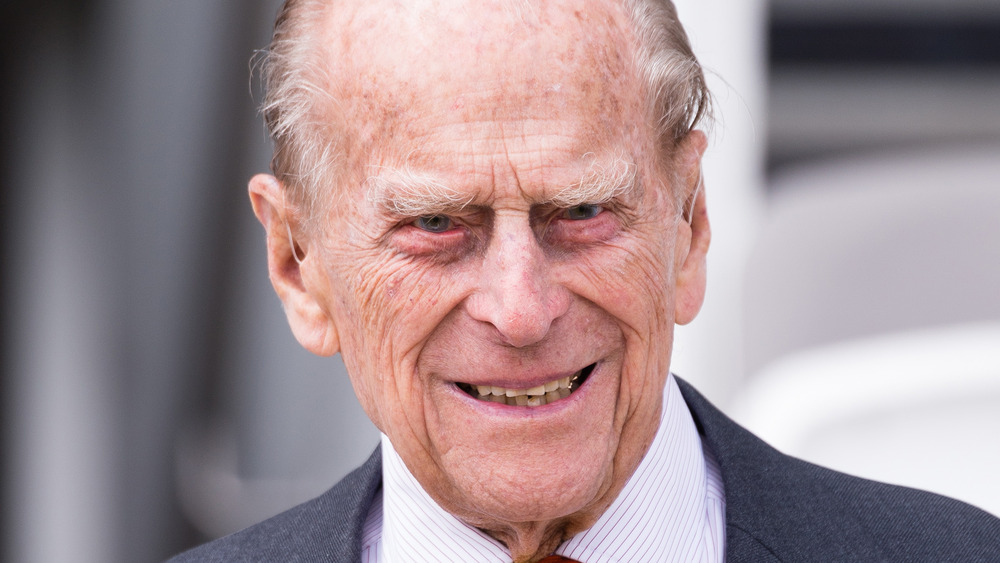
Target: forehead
<point x="492" y="42"/>
<point x="421" y="80"/>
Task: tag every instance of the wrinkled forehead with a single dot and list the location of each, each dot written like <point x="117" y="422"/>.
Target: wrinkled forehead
<point x="451" y="36"/>
<point x="397" y="65"/>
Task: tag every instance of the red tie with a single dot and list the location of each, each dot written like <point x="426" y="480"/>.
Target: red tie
<point x="558" y="559"/>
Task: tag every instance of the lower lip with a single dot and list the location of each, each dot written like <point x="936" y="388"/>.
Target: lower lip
<point x="497" y="409"/>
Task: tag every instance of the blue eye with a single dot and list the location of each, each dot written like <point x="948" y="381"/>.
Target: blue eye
<point x="433" y="223"/>
<point x="583" y="212"/>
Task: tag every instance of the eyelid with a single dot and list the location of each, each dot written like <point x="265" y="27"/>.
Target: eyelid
<point x="598" y="206"/>
<point x="569" y="234"/>
<point x="464" y="220"/>
<point x="602" y="205"/>
<point x="448" y="226"/>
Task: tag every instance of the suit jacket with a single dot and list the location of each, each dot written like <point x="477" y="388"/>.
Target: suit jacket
<point x="778" y="508"/>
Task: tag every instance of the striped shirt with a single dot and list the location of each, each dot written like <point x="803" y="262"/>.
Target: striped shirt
<point x="671" y="509"/>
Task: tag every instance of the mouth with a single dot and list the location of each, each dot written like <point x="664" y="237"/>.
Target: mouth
<point x="544" y="394"/>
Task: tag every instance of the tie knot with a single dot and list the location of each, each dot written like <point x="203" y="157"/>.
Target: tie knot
<point x="558" y="559"/>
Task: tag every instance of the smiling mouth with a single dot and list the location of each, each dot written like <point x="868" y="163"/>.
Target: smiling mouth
<point x="534" y="397"/>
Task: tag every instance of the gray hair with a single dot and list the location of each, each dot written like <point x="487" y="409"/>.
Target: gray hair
<point x="307" y="146"/>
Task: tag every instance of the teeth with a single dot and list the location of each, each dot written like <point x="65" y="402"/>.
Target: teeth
<point x="533" y="397"/>
<point x="536" y="391"/>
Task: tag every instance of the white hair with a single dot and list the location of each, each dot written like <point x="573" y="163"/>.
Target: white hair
<point x="600" y="183"/>
<point x="308" y="146"/>
<point x="406" y="192"/>
<point x="675" y="83"/>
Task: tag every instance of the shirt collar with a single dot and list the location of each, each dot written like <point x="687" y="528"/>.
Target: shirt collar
<point x="670" y="509"/>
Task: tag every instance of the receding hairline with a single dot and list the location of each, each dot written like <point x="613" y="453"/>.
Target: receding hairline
<point x="311" y="159"/>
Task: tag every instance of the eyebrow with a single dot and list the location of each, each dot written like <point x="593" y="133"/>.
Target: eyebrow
<point x="600" y="183"/>
<point x="404" y="192"/>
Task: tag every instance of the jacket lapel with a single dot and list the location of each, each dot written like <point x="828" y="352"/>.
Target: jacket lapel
<point x="344" y="508"/>
<point x="750" y="501"/>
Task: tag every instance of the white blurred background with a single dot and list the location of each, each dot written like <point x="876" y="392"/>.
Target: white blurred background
<point x="153" y="397"/>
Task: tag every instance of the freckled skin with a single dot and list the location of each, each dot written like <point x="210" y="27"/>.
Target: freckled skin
<point x="507" y="110"/>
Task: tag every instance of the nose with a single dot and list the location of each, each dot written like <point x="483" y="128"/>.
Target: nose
<point x="517" y="292"/>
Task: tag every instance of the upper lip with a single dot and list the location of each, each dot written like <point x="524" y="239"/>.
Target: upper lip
<point x="526" y="382"/>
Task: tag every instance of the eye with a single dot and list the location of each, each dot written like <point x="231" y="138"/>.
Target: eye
<point x="434" y="223"/>
<point x="583" y="212"/>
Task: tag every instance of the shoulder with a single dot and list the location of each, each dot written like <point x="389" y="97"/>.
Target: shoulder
<point x="325" y="528"/>
<point x="802" y="512"/>
<point x="797" y="511"/>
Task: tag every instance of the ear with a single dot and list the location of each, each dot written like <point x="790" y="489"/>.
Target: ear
<point x="693" y="231"/>
<point x="295" y="270"/>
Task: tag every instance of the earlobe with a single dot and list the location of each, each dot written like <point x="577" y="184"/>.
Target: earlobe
<point x="294" y="271"/>
<point x="693" y="231"/>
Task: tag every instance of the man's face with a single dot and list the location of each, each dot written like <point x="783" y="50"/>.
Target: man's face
<point x="501" y="266"/>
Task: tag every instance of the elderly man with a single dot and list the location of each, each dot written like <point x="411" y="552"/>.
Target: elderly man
<point x="493" y="211"/>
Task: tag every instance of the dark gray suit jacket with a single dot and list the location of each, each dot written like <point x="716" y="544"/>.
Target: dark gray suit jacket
<point x="778" y="508"/>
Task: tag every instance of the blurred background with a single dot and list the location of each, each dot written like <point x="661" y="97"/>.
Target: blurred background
<point x="153" y="397"/>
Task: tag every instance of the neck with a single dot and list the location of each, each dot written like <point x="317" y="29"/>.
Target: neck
<point x="529" y="542"/>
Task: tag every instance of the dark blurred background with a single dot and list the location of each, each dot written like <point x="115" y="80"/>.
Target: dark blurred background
<point x="152" y="395"/>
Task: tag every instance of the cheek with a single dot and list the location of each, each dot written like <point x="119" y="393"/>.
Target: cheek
<point x="402" y="300"/>
<point x="631" y="281"/>
<point x="392" y="306"/>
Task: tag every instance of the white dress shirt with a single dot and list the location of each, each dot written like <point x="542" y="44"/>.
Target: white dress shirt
<point x="672" y="509"/>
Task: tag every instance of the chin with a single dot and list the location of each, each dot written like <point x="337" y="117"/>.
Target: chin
<point x="540" y="485"/>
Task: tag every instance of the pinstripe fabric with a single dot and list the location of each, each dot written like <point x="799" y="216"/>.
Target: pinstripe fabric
<point x="671" y="509"/>
<point x="777" y="508"/>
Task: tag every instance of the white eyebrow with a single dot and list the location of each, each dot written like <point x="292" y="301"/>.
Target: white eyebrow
<point x="600" y="183"/>
<point x="409" y="194"/>
<point x="404" y="192"/>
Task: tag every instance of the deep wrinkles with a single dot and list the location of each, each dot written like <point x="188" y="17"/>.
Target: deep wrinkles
<point x="377" y="102"/>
